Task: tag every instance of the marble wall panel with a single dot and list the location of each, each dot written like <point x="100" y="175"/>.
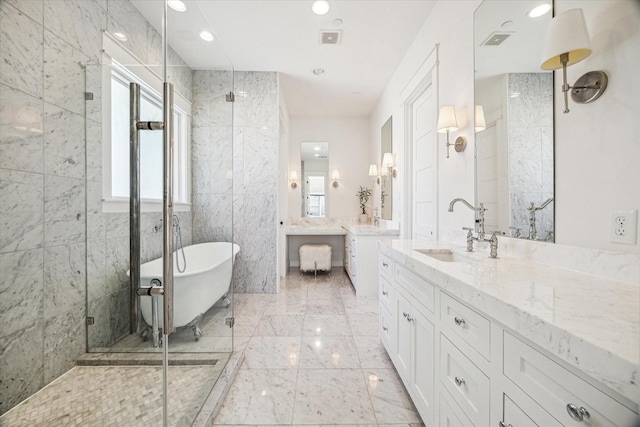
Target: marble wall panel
<point x="21" y="210"/>
<point x="65" y="336"/>
<point x="21" y="51"/>
<point x="21" y="131"/>
<point x="21" y="365"/>
<point x="93" y="150"/>
<point x="79" y="23"/>
<point x="64" y="278"/>
<point x="64" y="74"/>
<point x="34" y="9"/>
<point x="64" y="209"/>
<point x="21" y="290"/>
<point x="64" y="142"/>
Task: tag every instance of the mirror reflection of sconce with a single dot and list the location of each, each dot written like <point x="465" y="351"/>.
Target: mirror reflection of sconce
<point x="447" y="123"/>
<point x="480" y="124"/>
<point x="568" y="43"/>
<point x="373" y="171"/>
<point x="388" y="163"/>
<point x="335" y="177"/>
<point x="293" y="179"/>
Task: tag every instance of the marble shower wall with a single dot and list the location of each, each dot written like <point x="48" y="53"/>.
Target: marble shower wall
<point x="56" y="247"/>
<point x="235" y="181"/>
<point x="530" y="132"/>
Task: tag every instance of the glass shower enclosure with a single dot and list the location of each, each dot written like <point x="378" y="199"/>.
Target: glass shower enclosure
<point x="159" y="129"/>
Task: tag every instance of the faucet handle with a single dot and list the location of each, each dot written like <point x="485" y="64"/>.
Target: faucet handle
<point x="518" y="231"/>
<point x="467" y="228"/>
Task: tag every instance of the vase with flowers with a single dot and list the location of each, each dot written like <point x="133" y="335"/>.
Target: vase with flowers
<point x="363" y="194"/>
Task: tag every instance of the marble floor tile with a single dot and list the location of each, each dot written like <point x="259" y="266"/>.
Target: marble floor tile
<point x="277" y="325"/>
<point x="390" y="400"/>
<point x="364" y="324"/>
<point x="328" y="352"/>
<point x="272" y="353"/>
<point x="371" y="353"/>
<point x="329" y="396"/>
<point x="287" y="305"/>
<point x="325" y="306"/>
<point x="362" y="305"/>
<point x="259" y="396"/>
<point x="324" y="293"/>
<point x="326" y="325"/>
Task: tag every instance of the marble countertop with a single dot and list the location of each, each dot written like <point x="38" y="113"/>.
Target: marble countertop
<point x="371" y="230"/>
<point x="315" y="230"/>
<point x="588" y="321"/>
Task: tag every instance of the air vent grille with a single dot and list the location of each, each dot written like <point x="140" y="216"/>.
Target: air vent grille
<point x="330" y="36"/>
<point x="496" y="39"/>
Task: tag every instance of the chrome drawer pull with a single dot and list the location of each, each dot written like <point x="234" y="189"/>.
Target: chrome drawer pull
<point x="459" y="381"/>
<point x="406" y="315"/>
<point x="501" y="424"/>
<point x="385" y="265"/>
<point x="577" y="414"/>
<point x="385" y="293"/>
<point x="459" y="321"/>
<point x="410" y="319"/>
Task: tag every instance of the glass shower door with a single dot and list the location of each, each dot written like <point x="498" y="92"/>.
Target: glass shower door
<point x="120" y="322"/>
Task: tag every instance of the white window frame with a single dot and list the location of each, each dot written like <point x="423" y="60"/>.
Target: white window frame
<point x="134" y="69"/>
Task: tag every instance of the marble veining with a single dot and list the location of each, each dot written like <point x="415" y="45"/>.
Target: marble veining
<point x="588" y="321"/>
<point x="21" y="210"/>
<point x="64" y="210"/>
<point x="64" y="143"/>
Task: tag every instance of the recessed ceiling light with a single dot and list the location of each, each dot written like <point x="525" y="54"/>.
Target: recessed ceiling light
<point x="318" y="71"/>
<point x="539" y="10"/>
<point x="320" y="7"/>
<point x="206" y="36"/>
<point x="177" y="5"/>
<point x="120" y="36"/>
<point x="337" y="22"/>
<point x="507" y="24"/>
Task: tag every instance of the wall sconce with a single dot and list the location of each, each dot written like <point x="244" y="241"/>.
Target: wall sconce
<point x="388" y="162"/>
<point x="373" y="171"/>
<point x="480" y="124"/>
<point x="293" y="179"/>
<point x="568" y="43"/>
<point x="447" y="123"/>
<point x="335" y="177"/>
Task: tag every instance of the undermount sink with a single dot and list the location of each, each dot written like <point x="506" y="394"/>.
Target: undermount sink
<point x="445" y="255"/>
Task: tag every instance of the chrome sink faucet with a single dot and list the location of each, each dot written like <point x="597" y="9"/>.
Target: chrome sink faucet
<point x="493" y="244"/>
<point x="479" y="217"/>
<point x="533" y="233"/>
<point x="470" y="238"/>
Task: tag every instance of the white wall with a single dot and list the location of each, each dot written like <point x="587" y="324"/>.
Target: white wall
<point x="597" y="145"/>
<point x="349" y="146"/>
<point x="450" y="25"/>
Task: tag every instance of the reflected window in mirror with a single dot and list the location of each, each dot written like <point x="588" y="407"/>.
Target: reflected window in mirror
<point x="514" y="153"/>
<point x="314" y="167"/>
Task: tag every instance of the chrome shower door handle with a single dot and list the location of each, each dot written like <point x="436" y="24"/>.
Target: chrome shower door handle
<point x="167" y="208"/>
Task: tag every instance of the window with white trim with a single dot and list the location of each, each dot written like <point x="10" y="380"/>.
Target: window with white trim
<point x="117" y="78"/>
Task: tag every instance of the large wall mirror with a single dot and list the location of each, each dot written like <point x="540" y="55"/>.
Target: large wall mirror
<point x="514" y="153"/>
<point x="314" y="168"/>
<point x="386" y="189"/>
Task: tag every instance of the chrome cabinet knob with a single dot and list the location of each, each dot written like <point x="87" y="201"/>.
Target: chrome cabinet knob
<point x="577" y="414"/>
<point x="406" y="315"/>
<point x="459" y="381"/>
<point x="384" y="328"/>
<point x="385" y="265"/>
<point x="459" y="321"/>
<point x="410" y="319"/>
<point x="385" y="293"/>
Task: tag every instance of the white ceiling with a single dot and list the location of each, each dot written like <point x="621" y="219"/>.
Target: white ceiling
<point x="283" y="36"/>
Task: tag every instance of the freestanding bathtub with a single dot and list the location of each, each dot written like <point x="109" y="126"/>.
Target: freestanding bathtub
<point x="206" y="280"/>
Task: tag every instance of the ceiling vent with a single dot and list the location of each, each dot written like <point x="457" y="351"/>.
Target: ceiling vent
<point x="496" y="39"/>
<point x="330" y="36"/>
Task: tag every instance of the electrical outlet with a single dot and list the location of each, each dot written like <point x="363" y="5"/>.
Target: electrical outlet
<point x="624" y="226"/>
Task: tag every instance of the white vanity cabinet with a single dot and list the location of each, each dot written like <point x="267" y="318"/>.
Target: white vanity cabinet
<point x="461" y="367"/>
<point x="361" y="256"/>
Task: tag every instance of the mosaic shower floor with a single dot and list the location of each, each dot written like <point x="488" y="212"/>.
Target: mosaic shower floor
<point x="116" y="396"/>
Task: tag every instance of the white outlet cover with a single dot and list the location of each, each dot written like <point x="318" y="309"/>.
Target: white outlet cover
<point x="624" y="227"/>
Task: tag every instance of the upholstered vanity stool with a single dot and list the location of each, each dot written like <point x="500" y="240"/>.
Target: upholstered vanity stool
<point x="314" y="258"/>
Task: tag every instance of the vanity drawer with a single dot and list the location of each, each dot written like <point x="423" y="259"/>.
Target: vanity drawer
<point x="468" y="385"/>
<point x="386" y="266"/>
<point x="423" y="291"/>
<point x="450" y="417"/>
<point x="386" y="329"/>
<point x="386" y="293"/>
<point x="472" y="327"/>
<point x="555" y="388"/>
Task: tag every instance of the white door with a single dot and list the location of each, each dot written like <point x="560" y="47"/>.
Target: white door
<point x="425" y="162"/>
